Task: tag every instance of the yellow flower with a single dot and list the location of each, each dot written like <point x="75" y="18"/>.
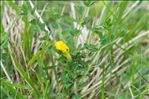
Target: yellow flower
<point x="60" y="45"/>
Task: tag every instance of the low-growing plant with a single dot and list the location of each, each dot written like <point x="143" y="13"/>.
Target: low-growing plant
<point x="74" y="50"/>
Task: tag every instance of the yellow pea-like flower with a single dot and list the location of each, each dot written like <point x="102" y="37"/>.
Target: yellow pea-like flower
<point x="60" y="45"/>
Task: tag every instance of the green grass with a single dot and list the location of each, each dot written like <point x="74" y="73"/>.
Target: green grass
<point x="108" y="42"/>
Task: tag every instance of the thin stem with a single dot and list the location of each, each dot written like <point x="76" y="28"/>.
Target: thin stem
<point x="6" y="73"/>
<point x="103" y="80"/>
<point x="130" y="8"/>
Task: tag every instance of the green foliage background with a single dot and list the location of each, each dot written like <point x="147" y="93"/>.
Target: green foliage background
<point x="108" y="43"/>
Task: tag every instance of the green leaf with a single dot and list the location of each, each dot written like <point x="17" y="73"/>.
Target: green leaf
<point x="55" y="25"/>
<point x="90" y="47"/>
<point x="33" y="21"/>
<point x="46" y="89"/>
<point x="42" y="26"/>
<point x="35" y="57"/>
<point x="46" y="36"/>
<point x="102" y="38"/>
<point x="23" y="73"/>
<point x="11" y="88"/>
<point x="86" y="20"/>
<point x="75" y="32"/>
<point x="25" y="9"/>
<point x="89" y="3"/>
<point x="35" y="28"/>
